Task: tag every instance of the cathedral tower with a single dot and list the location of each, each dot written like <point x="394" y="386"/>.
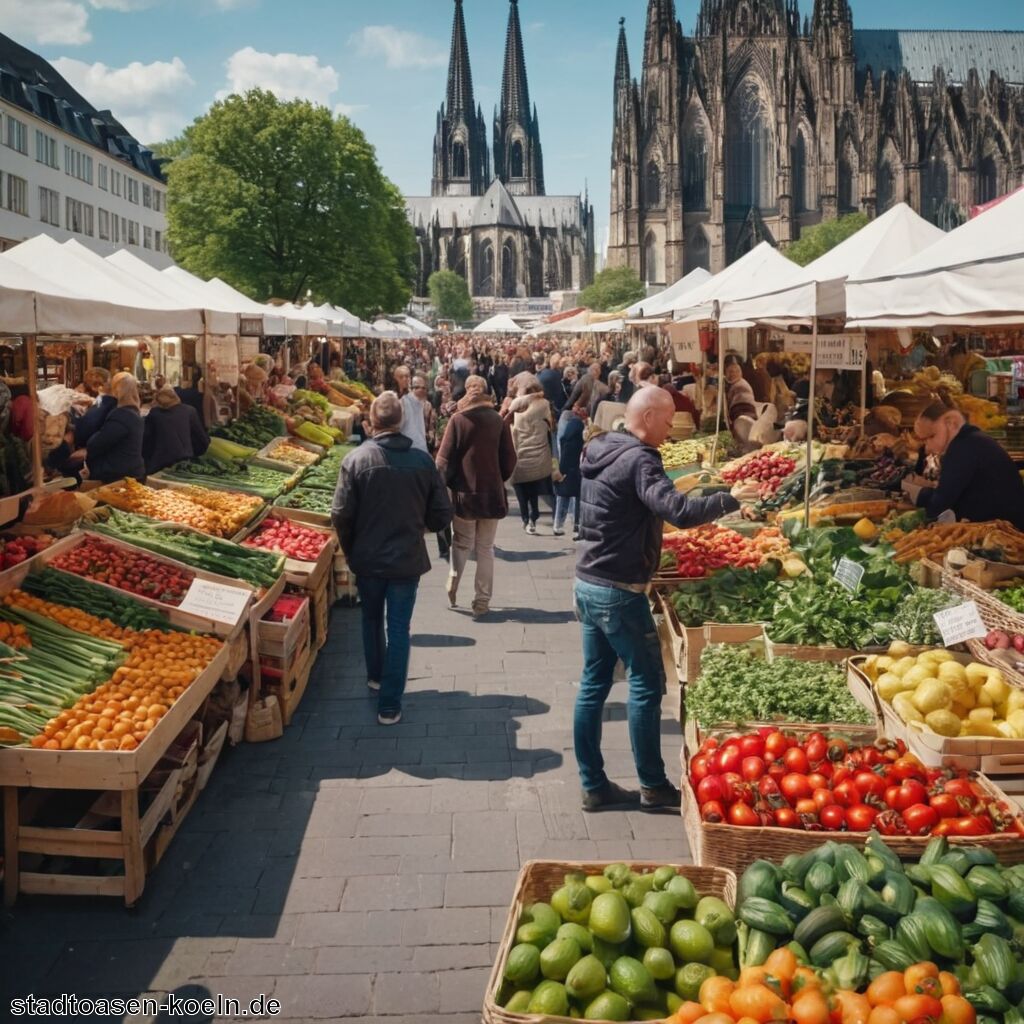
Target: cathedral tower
<point x="518" y="159"/>
<point x="623" y="239"/>
<point x="461" y="160"/>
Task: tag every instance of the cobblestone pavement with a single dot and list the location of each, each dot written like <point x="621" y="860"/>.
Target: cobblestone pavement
<point x="350" y="870"/>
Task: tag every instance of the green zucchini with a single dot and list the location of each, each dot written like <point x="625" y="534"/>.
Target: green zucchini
<point x="756" y="947"/>
<point x="986" y="999"/>
<point x="991" y="919"/>
<point x="1015" y="900"/>
<point x="995" y="961"/>
<point x="893" y="956"/>
<point x="950" y="889"/>
<point x="898" y="892"/>
<point x="801" y="954"/>
<point x="941" y="928"/>
<point x="980" y="855"/>
<point x="795" y="901"/>
<point x="934" y="852"/>
<point x="760" y="879"/>
<point x="876" y="846"/>
<point x="958" y="861"/>
<point x="818" y="923"/>
<point x="988" y="882"/>
<point x="831" y="947"/>
<point x="851" y="897"/>
<point x="919" y="875"/>
<point x="766" y="916"/>
<point x="851" y="863"/>
<point x="873" y="929"/>
<point x="820" y="879"/>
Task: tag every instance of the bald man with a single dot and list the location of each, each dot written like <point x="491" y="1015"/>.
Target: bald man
<point x="625" y="498"/>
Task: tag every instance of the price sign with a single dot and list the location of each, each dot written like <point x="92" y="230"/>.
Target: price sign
<point x="685" y="340"/>
<point x="248" y="349"/>
<point x="222" y="352"/>
<point x="798" y="344"/>
<point x="849" y="574"/>
<point x="841" y="352"/>
<point x="216" y="601"/>
<point x="960" y="623"/>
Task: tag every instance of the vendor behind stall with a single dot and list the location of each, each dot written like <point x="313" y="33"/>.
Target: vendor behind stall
<point x="115" y="450"/>
<point x="96" y="384"/>
<point x="172" y="432"/>
<point x="978" y="480"/>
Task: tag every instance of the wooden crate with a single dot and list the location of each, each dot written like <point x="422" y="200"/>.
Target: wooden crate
<point x="344" y="580"/>
<point x="120" y="776"/>
<point x="539" y="879"/>
<point x="265" y="456"/>
<point x="288" y="679"/>
<point x="307" y="575"/>
<point x="283" y="639"/>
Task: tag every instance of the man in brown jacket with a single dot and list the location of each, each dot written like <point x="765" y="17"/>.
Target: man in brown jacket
<point x="475" y="460"/>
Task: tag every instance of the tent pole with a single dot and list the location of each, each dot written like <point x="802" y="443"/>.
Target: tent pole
<point x="864" y="388"/>
<point x="810" y="425"/>
<point x="720" y="403"/>
<point x="31" y="372"/>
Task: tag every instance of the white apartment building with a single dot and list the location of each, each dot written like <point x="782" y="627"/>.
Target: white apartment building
<point x="70" y="171"/>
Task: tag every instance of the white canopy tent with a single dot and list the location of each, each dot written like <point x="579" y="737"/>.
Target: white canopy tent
<point x="219" y="317"/>
<point x="217" y="293"/>
<point x="664" y="303"/>
<point x="570" y="325"/>
<point x="972" y="276"/>
<point x="820" y="288"/>
<point x="500" y="324"/>
<point x="133" y="307"/>
<point x="422" y="330"/>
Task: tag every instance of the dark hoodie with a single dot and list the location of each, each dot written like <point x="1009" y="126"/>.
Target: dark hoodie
<point x="625" y="498"/>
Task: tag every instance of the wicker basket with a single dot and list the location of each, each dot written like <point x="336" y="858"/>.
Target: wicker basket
<point x="538" y="879"/>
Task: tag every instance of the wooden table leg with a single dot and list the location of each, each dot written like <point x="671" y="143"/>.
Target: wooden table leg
<point x="134" y="866"/>
<point x="12" y="825"/>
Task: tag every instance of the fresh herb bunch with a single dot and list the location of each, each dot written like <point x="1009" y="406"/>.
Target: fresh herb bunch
<point x="737" y="685"/>
<point x="914" y="620"/>
<point x="728" y="596"/>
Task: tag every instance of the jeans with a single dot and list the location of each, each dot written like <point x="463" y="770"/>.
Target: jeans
<point x="387" y="660"/>
<point x="562" y="509"/>
<point x="617" y="624"/>
<point x="528" y="496"/>
<point x="475" y="536"/>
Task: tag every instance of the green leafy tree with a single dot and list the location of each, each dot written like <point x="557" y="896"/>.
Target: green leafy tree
<point x="614" y="288"/>
<point x="817" y="241"/>
<point x="450" y="295"/>
<point x="282" y="199"/>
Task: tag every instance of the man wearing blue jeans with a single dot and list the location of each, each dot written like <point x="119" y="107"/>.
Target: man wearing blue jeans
<point x="389" y="496"/>
<point x="625" y="498"/>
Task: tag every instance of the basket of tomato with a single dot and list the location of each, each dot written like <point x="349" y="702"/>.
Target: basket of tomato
<point x="779" y="790"/>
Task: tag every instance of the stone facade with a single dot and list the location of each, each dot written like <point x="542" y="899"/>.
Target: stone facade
<point x="761" y="124"/>
<point x="503" y="233"/>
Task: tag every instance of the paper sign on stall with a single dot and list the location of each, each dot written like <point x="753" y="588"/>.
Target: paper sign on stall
<point x="841" y="352"/>
<point x="685" y="340"/>
<point x="215" y="601"/>
<point x="248" y="349"/>
<point x="798" y="344"/>
<point x="849" y="574"/>
<point x="735" y="340"/>
<point x="960" y="624"/>
<point x="222" y="352"/>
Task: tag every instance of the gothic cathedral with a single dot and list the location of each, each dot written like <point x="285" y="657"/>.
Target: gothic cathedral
<point x="761" y="125"/>
<point x="503" y="233"/>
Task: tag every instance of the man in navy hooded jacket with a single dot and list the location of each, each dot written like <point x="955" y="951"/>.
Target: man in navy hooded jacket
<point x="625" y="499"/>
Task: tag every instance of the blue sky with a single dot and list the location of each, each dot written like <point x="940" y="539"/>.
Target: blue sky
<point x="159" y="63"/>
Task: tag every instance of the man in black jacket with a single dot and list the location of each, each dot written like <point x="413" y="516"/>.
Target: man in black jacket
<point x="625" y="497"/>
<point x="389" y="495"/>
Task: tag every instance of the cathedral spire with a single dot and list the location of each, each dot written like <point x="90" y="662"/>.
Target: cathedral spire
<point x="622" y="75"/>
<point x="517" y="151"/>
<point x="661" y="22"/>
<point x="462" y="163"/>
<point x="832" y="27"/>
<point x="460" y="75"/>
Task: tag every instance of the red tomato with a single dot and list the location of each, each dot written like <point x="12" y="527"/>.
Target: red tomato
<point x="752" y="768"/>
<point x="870" y="784"/>
<point x="777" y="770"/>
<point x="752" y="746"/>
<point x="817" y="780"/>
<point x="741" y="814"/>
<point x="712" y="812"/>
<point x="906" y="794"/>
<point x="730" y="758"/>
<point x="796" y="760"/>
<point x="907" y="767"/>
<point x="837" y="749"/>
<point x="945" y="827"/>
<point x="832" y="817"/>
<point x="795" y="787"/>
<point x="860" y="817"/>
<point x="846" y="794"/>
<point x="946" y="805"/>
<point x="823" y="797"/>
<point x="732" y="784"/>
<point x="710" y="788"/>
<point x="962" y="787"/>
<point x="806" y="806"/>
<point x="786" y="817"/>
<point x="776" y="743"/>
<point x="841" y="774"/>
<point x="974" y="825"/>
<point x="699" y="767"/>
<point x="921" y="819"/>
<point x="816" y="747"/>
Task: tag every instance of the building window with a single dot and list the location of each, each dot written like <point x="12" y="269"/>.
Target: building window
<point x="849" y="170"/>
<point x="750" y="165"/>
<point x="115" y="182"/>
<point x="49" y="206"/>
<point x="158" y="241"/>
<point x="652" y="186"/>
<point x="147" y="197"/>
<point x="698" y="252"/>
<point x="131" y="189"/>
<point x="158" y="200"/>
<point x="46" y="149"/>
<point x="988" y="180"/>
<point x="803" y="200"/>
<point x="79" y="217"/>
<point x="17" y="195"/>
<point x="147" y="238"/>
<point x="133" y="232"/>
<point x="935" y="185"/>
<point x="652" y="261"/>
<point x="104" y="225"/>
<point x="695" y="170"/>
<point x="516" y="160"/>
<point x="101" y="180"/>
<point x="485" y="271"/>
<point x="17" y="135"/>
<point x="459" y="161"/>
<point x="115" y="229"/>
<point x="78" y="164"/>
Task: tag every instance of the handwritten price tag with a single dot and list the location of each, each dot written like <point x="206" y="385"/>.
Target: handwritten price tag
<point x="215" y="601"/>
<point x="849" y="574"/>
<point x="960" y="623"/>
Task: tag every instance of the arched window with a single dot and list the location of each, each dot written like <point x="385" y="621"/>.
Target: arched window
<point x="849" y="169"/>
<point x="553" y="280"/>
<point x="485" y="272"/>
<point x="698" y="253"/>
<point x="695" y="168"/>
<point x="800" y="203"/>
<point x="750" y="162"/>
<point x="459" y="161"/>
<point x="508" y="270"/>
<point x="652" y="110"/>
<point x="935" y="187"/>
<point x="988" y="179"/>
<point x="652" y="186"/>
<point x="516" y="162"/>
<point x="652" y="262"/>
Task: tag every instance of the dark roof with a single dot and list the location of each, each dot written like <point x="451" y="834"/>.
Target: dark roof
<point x="956" y="52"/>
<point x="29" y="82"/>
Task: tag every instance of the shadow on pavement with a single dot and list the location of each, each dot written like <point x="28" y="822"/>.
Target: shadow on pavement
<point x="440" y="640"/>
<point x="527" y="556"/>
<point x="530" y="616"/>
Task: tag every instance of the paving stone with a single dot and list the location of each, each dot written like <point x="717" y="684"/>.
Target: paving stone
<point x="425" y="824"/>
<point x="362" y="959"/>
<point x="442" y="927"/>
<point x="449" y="958"/>
<point x="480" y="889"/>
<point x="463" y="990"/>
<point x="375" y="928"/>
<point x="321" y="996"/>
<point x="395" y="892"/>
<point x="406" y="993"/>
<point x="270" y="961"/>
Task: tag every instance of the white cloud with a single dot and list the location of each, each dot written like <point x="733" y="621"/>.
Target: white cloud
<point x="145" y="98"/>
<point x="231" y="5"/>
<point x="45" y="21"/>
<point x="399" y="48"/>
<point x="122" y="5"/>
<point x="287" y="75"/>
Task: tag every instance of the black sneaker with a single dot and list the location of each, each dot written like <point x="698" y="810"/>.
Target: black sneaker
<point x="664" y="799"/>
<point x="608" y="797"/>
